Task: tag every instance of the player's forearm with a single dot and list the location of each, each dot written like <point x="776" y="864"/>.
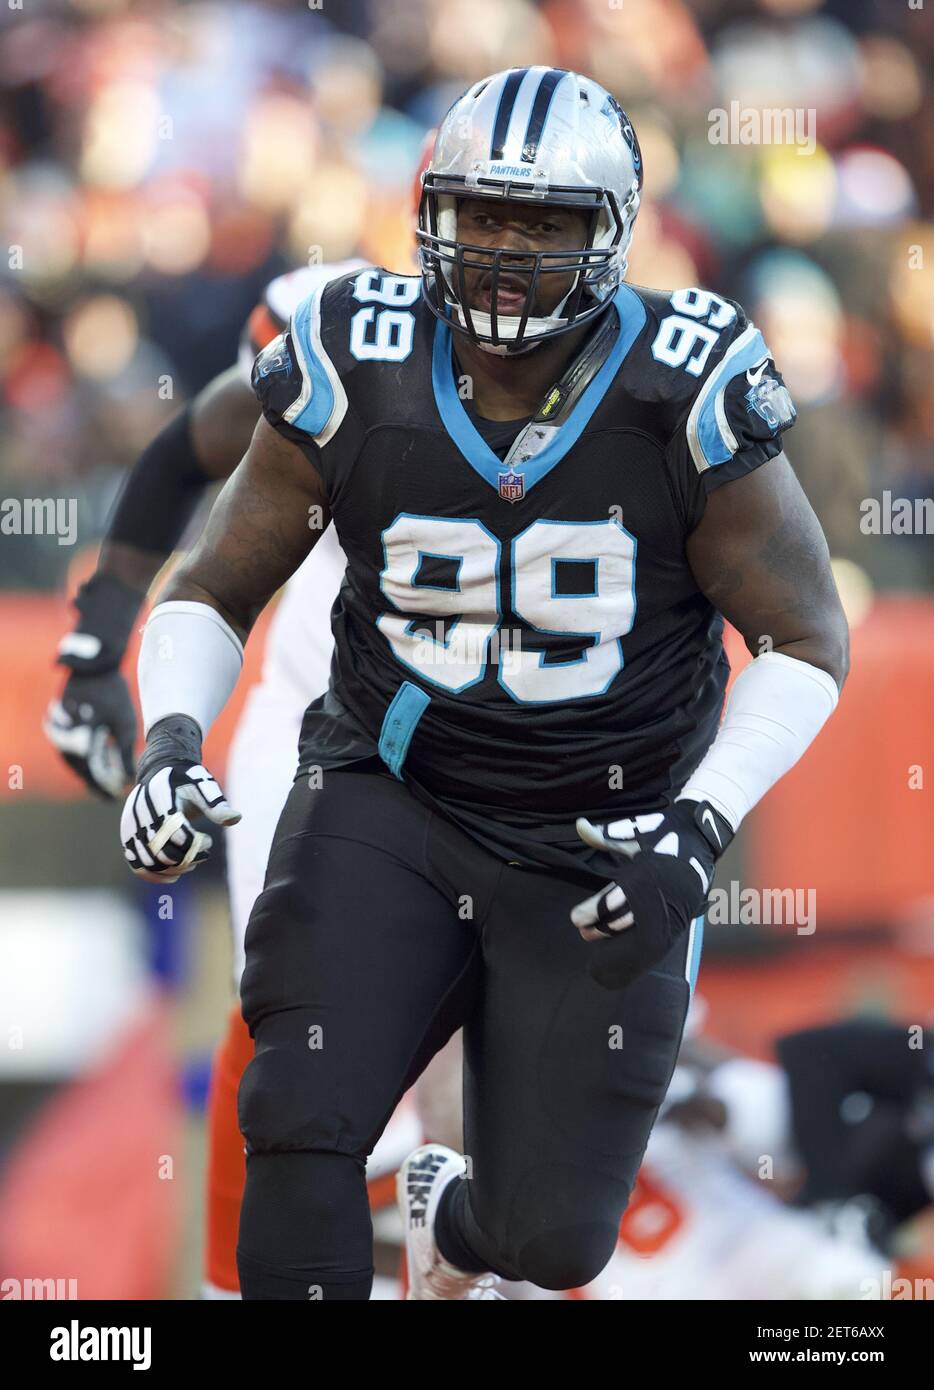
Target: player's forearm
<point x="135" y="568"/>
<point x="158" y="498"/>
<point x="189" y="661"/>
<point x="777" y="707"/>
<point x="192" y="648"/>
<point x="759" y="555"/>
<point x="257" y="535"/>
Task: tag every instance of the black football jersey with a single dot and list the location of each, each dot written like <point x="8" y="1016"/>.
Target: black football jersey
<point x="519" y="635"/>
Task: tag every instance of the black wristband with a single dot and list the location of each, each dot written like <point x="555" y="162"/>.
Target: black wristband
<point x="174" y="739"/>
<point x="716" y="829"/>
<point x="108" y="608"/>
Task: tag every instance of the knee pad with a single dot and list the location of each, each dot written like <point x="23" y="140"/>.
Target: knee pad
<point x="565" y="1226"/>
<point x="283" y="1104"/>
<point x="568" y="1258"/>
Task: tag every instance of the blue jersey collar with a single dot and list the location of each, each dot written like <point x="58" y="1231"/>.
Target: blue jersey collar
<point x="471" y="443"/>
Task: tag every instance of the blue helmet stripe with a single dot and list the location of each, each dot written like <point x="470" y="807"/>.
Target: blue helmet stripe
<point x="504" y="111"/>
<point x="539" y="113"/>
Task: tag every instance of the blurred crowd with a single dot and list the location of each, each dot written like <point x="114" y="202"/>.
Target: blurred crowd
<point x="160" y="161"/>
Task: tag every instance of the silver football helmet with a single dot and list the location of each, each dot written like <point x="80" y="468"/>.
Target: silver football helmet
<point x="538" y="134"/>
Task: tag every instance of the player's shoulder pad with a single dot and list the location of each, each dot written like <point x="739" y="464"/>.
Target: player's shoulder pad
<point x="281" y="298"/>
<point x="715" y="369"/>
<point x="294" y="377"/>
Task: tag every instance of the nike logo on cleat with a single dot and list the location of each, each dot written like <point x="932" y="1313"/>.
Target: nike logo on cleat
<point x="418" y="1187"/>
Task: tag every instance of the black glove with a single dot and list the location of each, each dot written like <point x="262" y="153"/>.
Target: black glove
<point x="665" y="868"/>
<point x="93" y="724"/>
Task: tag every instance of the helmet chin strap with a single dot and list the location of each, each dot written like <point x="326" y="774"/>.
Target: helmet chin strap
<point x="505" y="350"/>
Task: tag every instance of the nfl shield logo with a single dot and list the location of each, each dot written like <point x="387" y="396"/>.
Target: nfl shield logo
<point x="511" y="487"/>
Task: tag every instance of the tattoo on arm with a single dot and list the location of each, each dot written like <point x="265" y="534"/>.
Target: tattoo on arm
<point x="788" y="556"/>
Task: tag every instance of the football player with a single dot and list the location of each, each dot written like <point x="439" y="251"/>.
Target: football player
<point x="707" y="1218"/>
<point x="550" y="488"/>
<point x="698" y="1227"/>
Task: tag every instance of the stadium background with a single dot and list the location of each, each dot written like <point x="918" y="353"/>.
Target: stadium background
<point x="159" y="163"/>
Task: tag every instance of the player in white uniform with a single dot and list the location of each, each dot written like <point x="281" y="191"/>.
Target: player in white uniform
<point x="706" y="1220"/>
<point x="296" y="659"/>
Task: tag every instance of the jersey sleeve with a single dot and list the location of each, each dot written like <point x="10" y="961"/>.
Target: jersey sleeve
<point x="299" y="389"/>
<point x="280" y="298"/>
<point x="736" y="419"/>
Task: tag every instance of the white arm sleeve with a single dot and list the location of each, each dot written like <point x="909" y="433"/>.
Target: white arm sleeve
<point x="777" y="707"/>
<point x="189" y="662"/>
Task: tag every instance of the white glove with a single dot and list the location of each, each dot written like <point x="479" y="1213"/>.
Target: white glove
<point x="159" y="842"/>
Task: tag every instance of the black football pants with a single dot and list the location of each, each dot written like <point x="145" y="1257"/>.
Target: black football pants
<point x="381" y="930"/>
